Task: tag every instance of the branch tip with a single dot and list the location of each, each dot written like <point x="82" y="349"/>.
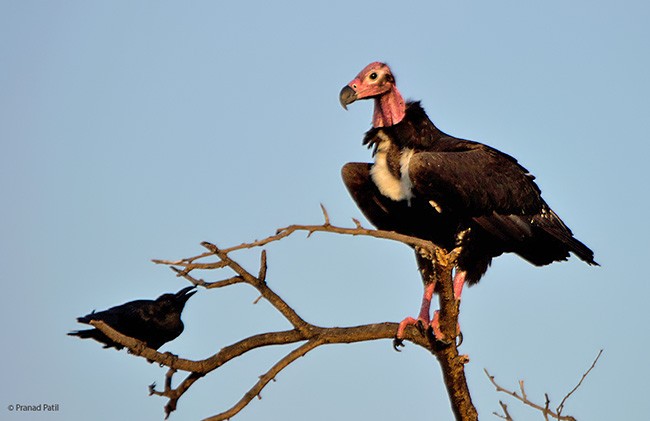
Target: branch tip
<point x="593" y="364"/>
<point x="213" y="248"/>
<point x="325" y="215"/>
<point x="545" y="410"/>
<point x="263" y="267"/>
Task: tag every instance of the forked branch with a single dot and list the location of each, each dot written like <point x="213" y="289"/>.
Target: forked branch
<point x="434" y="263"/>
<point x="310" y="335"/>
<point x="545" y="410"/>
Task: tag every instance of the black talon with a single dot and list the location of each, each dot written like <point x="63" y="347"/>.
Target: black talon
<point x="397" y="342"/>
<point x="459" y="339"/>
<point x="437" y="343"/>
<point x="420" y="326"/>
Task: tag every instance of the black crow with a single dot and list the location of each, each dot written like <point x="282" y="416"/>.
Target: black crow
<point x="154" y="322"/>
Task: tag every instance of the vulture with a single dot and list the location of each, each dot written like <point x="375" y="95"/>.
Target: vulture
<point x="453" y="192"/>
<point x="154" y="322"/>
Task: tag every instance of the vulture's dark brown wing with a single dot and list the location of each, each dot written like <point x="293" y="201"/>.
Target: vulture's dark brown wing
<point x="476" y="181"/>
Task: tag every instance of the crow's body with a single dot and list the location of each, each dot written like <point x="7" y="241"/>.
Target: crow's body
<point x="154" y="322"/>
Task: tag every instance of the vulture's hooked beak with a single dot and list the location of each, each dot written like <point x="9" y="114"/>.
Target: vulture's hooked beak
<point x="347" y="96"/>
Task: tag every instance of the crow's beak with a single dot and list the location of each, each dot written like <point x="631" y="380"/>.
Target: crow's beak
<point x="347" y="96"/>
<point x="185" y="293"/>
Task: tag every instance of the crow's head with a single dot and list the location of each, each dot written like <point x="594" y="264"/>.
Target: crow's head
<point x="177" y="300"/>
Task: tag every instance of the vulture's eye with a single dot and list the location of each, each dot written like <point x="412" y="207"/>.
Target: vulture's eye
<point x="373" y="76"/>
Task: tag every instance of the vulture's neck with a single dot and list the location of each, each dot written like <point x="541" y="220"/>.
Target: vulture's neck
<point x="389" y="109"/>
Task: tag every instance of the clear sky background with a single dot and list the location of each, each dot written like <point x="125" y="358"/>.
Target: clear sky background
<point x="136" y="130"/>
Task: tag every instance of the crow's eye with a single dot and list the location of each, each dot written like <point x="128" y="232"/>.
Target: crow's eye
<point x="373" y="76"/>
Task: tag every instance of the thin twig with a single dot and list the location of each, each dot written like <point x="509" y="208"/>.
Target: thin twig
<point x="526" y="401"/>
<point x="285" y="309"/>
<point x="265" y="379"/>
<point x="208" y="285"/>
<point x="325" y="215"/>
<point x="224" y="283"/>
<point x="593" y="364"/>
<point x="327" y="227"/>
<point x="174" y="394"/>
<point x="523" y="392"/>
<point x="506" y="415"/>
<point x="185" y="274"/>
<point x="261" y="275"/>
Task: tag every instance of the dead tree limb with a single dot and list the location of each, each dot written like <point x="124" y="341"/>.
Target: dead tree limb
<point x="433" y="261"/>
<point x="586" y="373"/>
<point x="545" y="410"/>
<point x="451" y="362"/>
<point x="434" y="264"/>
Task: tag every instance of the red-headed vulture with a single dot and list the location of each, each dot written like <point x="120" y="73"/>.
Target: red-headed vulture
<point x="453" y="192"/>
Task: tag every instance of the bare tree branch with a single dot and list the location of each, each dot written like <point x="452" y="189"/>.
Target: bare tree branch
<point x="267" y="377"/>
<point x="586" y="373"/>
<point x="260" y="284"/>
<point x="506" y="415"/>
<point x="434" y="263"/>
<point x="515" y="395"/>
<point x="451" y="362"/>
<point x="325" y="214"/>
<point x="313" y="336"/>
<point x="318" y="336"/>
<point x="281" y="233"/>
<point x="545" y="410"/>
<point x="303" y="331"/>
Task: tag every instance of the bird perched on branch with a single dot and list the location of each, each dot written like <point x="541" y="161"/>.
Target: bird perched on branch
<point x="154" y="322"/>
<point x="453" y="192"/>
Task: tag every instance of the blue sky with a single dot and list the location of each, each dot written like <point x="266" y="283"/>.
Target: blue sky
<point x="136" y="130"/>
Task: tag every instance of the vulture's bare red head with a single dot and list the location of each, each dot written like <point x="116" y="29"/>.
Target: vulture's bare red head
<point x="376" y="81"/>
